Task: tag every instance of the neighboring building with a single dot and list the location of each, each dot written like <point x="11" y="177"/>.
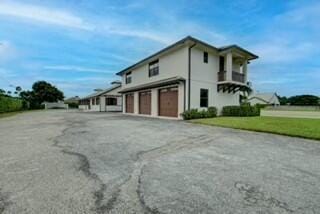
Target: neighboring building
<point x="103" y="100"/>
<point x="264" y="99"/>
<point x="188" y="74"/>
<point x="74" y="100"/>
<point x="55" y="105"/>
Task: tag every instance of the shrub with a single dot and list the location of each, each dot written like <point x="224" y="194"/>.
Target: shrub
<point x="10" y="104"/>
<point x="195" y="114"/>
<point x="241" y="111"/>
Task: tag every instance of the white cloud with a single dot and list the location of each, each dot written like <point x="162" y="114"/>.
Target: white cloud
<point x="76" y="69"/>
<point x="43" y="14"/>
<point x="7" y="51"/>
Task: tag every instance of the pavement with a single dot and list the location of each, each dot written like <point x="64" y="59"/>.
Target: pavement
<point x="75" y="162"/>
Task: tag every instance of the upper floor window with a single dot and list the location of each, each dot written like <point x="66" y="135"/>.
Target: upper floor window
<point x="204" y="96"/>
<point x="205" y="57"/>
<point x="128" y="78"/>
<point x="221" y="64"/>
<point x="154" y="68"/>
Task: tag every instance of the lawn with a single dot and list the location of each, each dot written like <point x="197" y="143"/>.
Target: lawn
<point x="296" y="127"/>
<point x="9" y="114"/>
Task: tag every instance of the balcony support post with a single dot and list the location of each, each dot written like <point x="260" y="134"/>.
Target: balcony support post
<point x="229" y="66"/>
<point x="245" y="70"/>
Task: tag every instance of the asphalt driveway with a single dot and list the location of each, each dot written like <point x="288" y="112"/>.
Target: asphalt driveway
<point x="74" y="162"/>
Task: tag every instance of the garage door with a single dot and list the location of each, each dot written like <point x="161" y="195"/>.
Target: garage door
<point x="168" y="102"/>
<point x="145" y="102"/>
<point x="129" y="103"/>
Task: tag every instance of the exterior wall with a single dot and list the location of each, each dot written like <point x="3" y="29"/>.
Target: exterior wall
<point x="95" y="108"/>
<point x="83" y="107"/>
<point x="170" y="65"/>
<point x="205" y="75"/>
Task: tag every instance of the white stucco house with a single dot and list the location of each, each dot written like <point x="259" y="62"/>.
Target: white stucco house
<point x="264" y="99"/>
<point x="185" y="75"/>
<point x="103" y="100"/>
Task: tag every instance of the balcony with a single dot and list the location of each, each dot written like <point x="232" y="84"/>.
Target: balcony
<point x="237" y="83"/>
<point x="236" y="76"/>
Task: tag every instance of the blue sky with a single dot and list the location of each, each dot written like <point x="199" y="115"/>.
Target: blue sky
<point x="79" y="45"/>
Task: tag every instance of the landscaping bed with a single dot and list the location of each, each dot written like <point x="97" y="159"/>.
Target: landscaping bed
<point x="296" y="127"/>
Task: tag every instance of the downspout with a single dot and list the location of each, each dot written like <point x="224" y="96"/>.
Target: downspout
<point x="189" y="73"/>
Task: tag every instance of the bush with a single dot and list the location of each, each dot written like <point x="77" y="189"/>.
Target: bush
<point x="195" y="114"/>
<point x="10" y="104"/>
<point x="73" y="105"/>
<point x="241" y="111"/>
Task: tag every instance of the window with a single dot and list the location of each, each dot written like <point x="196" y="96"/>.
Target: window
<point x="221" y="64"/>
<point x="97" y="101"/>
<point x="154" y="68"/>
<point x="93" y="101"/>
<point x="205" y="57"/>
<point x="128" y="78"/>
<point x="204" y="97"/>
<point x="111" y="101"/>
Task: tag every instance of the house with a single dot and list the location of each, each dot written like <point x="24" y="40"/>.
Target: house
<point x="185" y="75"/>
<point x="103" y="100"/>
<point x="74" y="100"/>
<point x="264" y="99"/>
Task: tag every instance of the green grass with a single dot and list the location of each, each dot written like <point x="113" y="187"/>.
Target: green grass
<point x="296" y="127"/>
<point x="9" y="114"/>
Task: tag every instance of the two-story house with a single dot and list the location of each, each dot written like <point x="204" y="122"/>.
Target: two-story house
<point x="187" y="74"/>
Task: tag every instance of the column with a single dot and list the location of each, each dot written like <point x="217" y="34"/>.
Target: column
<point x="229" y="66"/>
<point x="136" y="103"/>
<point x="154" y="102"/>
<point x="245" y="70"/>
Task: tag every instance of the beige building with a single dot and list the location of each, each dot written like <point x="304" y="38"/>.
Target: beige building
<point x="264" y="99"/>
<point x="188" y="74"/>
<point x="103" y="100"/>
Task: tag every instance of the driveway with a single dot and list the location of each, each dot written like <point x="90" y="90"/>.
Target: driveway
<point x="74" y="162"/>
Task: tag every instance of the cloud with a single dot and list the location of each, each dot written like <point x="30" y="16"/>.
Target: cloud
<point x="73" y="68"/>
<point x="44" y="15"/>
<point x="282" y="51"/>
<point x="7" y="51"/>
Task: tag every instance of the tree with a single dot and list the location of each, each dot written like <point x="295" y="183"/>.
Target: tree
<point x="283" y="100"/>
<point x="45" y="92"/>
<point x="2" y="92"/>
<point x="41" y="92"/>
<point x="304" y="100"/>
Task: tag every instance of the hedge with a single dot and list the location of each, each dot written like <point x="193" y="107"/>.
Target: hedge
<point x="195" y="114"/>
<point x="9" y="104"/>
<point x="241" y="111"/>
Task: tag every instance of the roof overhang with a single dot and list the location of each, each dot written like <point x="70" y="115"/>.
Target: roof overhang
<point x="188" y="41"/>
<point x="238" y="49"/>
<point x="156" y="84"/>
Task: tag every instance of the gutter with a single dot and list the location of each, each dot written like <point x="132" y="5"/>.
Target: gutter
<point x="189" y="73"/>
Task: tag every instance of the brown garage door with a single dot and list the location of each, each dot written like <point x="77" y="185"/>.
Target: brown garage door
<point x="145" y="102"/>
<point x="129" y="103"/>
<point x="168" y="102"/>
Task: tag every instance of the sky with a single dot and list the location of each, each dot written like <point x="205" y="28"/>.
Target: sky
<point x="79" y="45"/>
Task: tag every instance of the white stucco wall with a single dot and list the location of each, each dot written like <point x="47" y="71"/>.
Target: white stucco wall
<point x="205" y="75"/>
<point x="170" y="65"/>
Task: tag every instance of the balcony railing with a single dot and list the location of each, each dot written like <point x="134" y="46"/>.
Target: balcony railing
<point x="236" y="76"/>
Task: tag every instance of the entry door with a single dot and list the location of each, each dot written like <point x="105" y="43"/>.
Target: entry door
<point x="145" y="102"/>
<point x="168" y="102"/>
<point x="129" y="103"/>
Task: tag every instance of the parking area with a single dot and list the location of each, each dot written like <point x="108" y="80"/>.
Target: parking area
<point x="75" y="162"/>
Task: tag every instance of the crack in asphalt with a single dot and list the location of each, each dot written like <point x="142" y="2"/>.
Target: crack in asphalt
<point x="84" y="164"/>
<point x="4" y="201"/>
<point x="254" y="196"/>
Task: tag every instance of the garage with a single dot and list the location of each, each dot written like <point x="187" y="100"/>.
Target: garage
<point x="129" y="103"/>
<point x="168" y="102"/>
<point x="145" y="102"/>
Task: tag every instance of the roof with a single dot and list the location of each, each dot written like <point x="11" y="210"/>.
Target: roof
<point x="96" y="94"/>
<point x="266" y="97"/>
<point x="182" y="42"/>
<point x="76" y="98"/>
<point x="155" y="84"/>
